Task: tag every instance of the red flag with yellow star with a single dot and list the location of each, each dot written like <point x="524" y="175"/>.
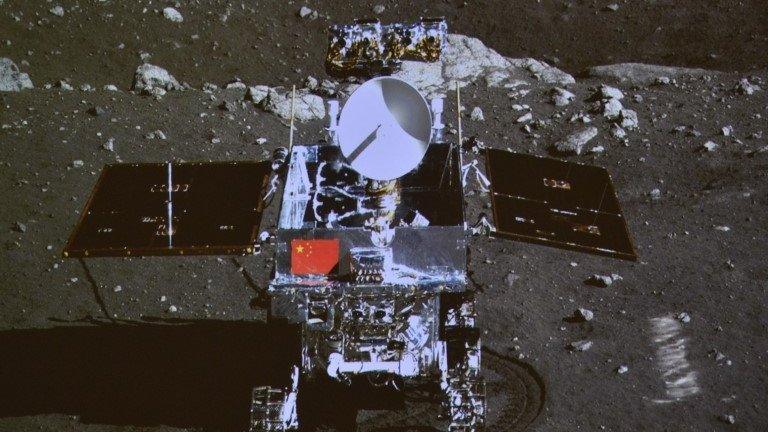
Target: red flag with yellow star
<point x="314" y="257"/>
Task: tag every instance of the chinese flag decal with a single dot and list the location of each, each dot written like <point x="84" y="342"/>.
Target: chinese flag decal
<point x="314" y="257"/>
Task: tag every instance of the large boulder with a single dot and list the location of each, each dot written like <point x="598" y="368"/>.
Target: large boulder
<point x="11" y="79"/>
<point x="466" y="59"/>
<point x="277" y="100"/>
<point x="643" y="74"/>
<point x="151" y="79"/>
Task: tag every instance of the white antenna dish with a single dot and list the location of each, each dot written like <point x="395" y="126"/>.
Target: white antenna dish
<point x="385" y="128"/>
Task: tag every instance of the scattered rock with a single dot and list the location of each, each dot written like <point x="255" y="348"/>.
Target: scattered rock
<point x="662" y="80"/>
<point x="172" y="309"/>
<point x="20" y="227"/>
<point x="476" y="114"/>
<point x="613" y="7"/>
<point x="511" y="278"/>
<point x="727" y="130"/>
<point x="574" y="143"/>
<point x="11" y="80"/>
<point x="57" y="10"/>
<point x="117" y="288"/>
<point x="261" y="141"/>
<point x="643" y="74"/>
<point x="710" y="146"/>
<point x="378" y="9"/>
<point x="77" y="163"/>
<point x="172" y="15"/>
<point x="622" y="369"/>
<point x="683" y="317"/>
<point x="154" y="80"/>
<point x="655" y="194"/>
<point x="722" y="228"/>
<point x="64" y="85"/>
<point x="728" y="418"/>
<point x="596" y="150"/>
<point x="111" y="87"/>
<point x="562" y="97"/>
<point x="580" y="345"/>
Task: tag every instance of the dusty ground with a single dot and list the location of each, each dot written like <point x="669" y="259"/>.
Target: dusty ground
<point x="79" y="355"/>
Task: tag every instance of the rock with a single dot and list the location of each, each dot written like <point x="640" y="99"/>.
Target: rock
<point x="311" y="83"/>
<point x="629" y="119"/>
<point x="617" y="132"/>
<point x="96" y="111"/>
<point x="308" y="106"/>
<point x="728" y="418"/>
<point x="574" y="143"/>
<point x="11" y="80"/>
<point x="643" y="74"/>
<point x="746" y="87"/>
<point x="476" y="114"/>
<point x="109" y="145"/>
<point x="86" y="87"/>
<point x="228" y="106"/>
<point x="611" y="108"/>
<point x="257" y="94"/>
<point x="111" y="87"/>
<point x="172" y="309"/>
<point x="583" y="315"/>
<point x="544" y="72"/>
<point x="236" y="85"/>
<point x="64" y="85"/>
<point x="327" y="87"/>
<point x="580" y="345"/>
<point x="622" y="369"/>
<point x="378" y="9"/>
<point x="158" y="134"/>
<point x="511" y="278"/>
<point x="597" y="150"/>
<point x="613" y="7"/>
<point x="525" y="118"/>
<point x="77" y="163"/>
<point x="307" y="13"/>
<point x="57" y="10"/>
<point x="710" y="146"/>
<point x="117" y="288"/>
<point x="20" y="227"/>
<point x="655" y="194"/>
<point x="261" y="141"/>
<point x="683" y="317"/>
<point x="601" y="281"/>
<point x="662" y="80"/>
<point x="172" y="15"/>
<point x="154" y="80"/>
<point x="727" y="130"/>
<point x="562" y="97"/>
<point x="722" y="228"/>
<point x="606" y="92"/>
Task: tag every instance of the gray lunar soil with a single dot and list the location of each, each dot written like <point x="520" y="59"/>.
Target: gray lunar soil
<point x="676" y="341"/>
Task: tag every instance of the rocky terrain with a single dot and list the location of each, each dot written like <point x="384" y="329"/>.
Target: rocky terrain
<point x="676" y="341"/>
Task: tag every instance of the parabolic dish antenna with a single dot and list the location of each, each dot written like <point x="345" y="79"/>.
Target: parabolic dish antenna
<point x="385" y="128"/>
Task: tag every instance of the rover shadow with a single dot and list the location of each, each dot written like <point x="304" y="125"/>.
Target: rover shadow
<point x="196" y="374"/>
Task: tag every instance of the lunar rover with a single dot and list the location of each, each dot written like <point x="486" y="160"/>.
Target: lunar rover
<point x="371" y="239"/>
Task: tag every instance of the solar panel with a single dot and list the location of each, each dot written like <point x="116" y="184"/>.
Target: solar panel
<point x="557" y="203"/>
<point x="172" y="209"/>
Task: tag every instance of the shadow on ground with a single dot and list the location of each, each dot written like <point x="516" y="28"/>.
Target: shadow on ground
<point x="186" y="374"/>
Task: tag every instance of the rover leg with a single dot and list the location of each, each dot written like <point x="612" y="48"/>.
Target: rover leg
<point x="274" y="409"/>
<point x="461" y="381"/>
